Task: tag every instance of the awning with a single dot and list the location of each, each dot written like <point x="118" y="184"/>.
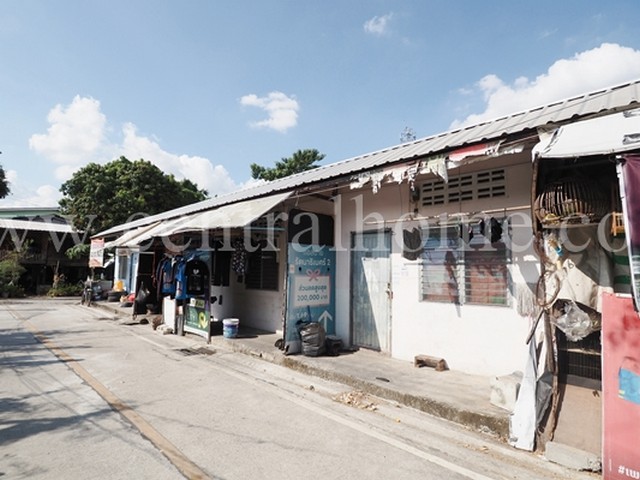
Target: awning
<point x="129" y="239"/>
<point x="618" y="132"/>
<point x="236" y="215"/>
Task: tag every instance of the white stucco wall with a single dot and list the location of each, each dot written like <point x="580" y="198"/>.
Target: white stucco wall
<point x="261" y="309"/>
<point x="472" y="338"/>
<point x="476" y="339"/>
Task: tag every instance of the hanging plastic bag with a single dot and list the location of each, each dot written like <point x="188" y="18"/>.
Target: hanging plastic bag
<point x="143" y="294"/>
<point x="574" y="322"/>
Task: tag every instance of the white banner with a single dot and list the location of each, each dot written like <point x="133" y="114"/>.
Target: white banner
<point x="96" y="254"/>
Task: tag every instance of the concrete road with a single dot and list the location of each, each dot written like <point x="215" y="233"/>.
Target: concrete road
<point x="83" y="396"/>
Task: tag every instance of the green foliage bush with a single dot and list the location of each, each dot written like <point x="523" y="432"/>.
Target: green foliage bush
<point x="63" y="289"/>
<point x="10" y="271"/>
<point x="14" y="291"/>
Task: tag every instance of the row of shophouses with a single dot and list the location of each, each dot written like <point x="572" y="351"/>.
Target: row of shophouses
<point x="496" y="247"/>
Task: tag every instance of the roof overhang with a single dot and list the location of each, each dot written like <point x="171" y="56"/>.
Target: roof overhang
<point x="35" y="226"/>
<point x="130" y="237"/>
<point x="611" y="134"/>
<point x="237" y="215"/>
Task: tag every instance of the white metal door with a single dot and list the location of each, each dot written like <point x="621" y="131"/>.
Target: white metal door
<point x="371" y="290"/>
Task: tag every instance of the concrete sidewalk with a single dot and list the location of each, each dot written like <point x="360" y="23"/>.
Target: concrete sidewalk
<point x="455" y="396"/>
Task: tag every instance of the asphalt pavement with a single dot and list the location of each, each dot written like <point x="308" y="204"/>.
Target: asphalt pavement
<point x="451" y="395"/>
<point x="92" y="393"/>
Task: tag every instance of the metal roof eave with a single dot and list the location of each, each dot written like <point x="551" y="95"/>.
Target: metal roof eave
<point x="606" y="135"/>
<point x="36" y="226"/>
<point x="227" y="217"/>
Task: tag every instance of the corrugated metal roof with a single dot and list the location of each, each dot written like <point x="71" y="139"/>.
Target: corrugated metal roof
<point x="37" y="226"/>
<point x="600" y="102"/>
<point x="12" y="211"/>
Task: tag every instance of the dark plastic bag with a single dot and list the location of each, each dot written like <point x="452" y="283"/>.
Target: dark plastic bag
<point x="142" y="297"/>
<point x="143" y="294"/>
<point x="313" y="338"/>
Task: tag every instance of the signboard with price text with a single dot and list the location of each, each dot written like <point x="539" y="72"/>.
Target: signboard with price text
<point x="310" y="290"/>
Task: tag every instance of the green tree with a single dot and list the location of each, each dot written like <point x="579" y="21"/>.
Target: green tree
<point x="300" y="161"/>
<point x="4" y="183"/>
<point x="98" y="197"/>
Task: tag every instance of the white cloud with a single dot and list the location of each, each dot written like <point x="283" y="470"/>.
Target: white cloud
<point x="45" y="196"/>
<point x="214" y="178"/>
<point x="547" y="33"/>
<point x="21" y="196"/>
<point x="604" y="66"/>
<point x="282" y="110"/>
<point x="378" y="25"/>
<point x="77" y="135"/>
<point x="11" y="176"/>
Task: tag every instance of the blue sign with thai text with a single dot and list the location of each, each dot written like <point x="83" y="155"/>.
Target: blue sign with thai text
<point x="310" y="291"/>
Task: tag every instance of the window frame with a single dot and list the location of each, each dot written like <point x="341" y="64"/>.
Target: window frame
<point x="464" y="266"/>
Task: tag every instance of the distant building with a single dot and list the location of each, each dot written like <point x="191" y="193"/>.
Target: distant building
<point x="44" y="236"/>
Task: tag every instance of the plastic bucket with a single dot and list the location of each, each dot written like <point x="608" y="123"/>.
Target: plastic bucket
<point x="230" y="327"/>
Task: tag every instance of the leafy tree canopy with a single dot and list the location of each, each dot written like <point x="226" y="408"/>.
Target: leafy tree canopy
<point x="4" y="183"/>
<point x="300" y="161"/>
<point x="98" y="197"/>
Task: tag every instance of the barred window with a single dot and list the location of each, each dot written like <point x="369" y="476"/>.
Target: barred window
<point x="463" y="188"/>
<point x="466" y="264"/>
<point x="262" y="269"/>
<point x="441" y="265"/>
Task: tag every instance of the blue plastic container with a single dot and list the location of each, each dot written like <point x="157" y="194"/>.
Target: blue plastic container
<point x="230" y="327"/>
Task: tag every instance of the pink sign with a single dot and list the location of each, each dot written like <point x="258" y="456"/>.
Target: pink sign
<point x="620" y="388"/>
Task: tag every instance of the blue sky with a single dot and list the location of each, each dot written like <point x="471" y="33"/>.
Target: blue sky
<point x="204" y="88"/>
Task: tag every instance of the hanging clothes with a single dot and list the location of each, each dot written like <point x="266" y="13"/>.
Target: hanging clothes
<point x="239" y="257"/>
<point x="412" y="244"/>
<point x="165" y="276"/>
<point x="196" y="277"/>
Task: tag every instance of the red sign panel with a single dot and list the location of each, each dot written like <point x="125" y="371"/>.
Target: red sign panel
<point x="620" y="388"/>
